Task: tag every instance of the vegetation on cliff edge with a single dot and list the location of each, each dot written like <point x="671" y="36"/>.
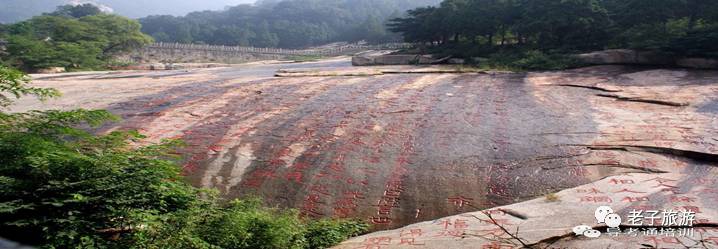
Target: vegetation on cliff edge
<point x="62" y="187"/>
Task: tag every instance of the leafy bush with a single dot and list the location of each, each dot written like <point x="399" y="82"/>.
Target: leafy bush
<point x="326" y="233"/>
<point x="531" y="60"/>
<point x="70" y="188"/>
<point x="14" y="83"/>
<point x="700" y="43"/>
<point x="62" y="187"/>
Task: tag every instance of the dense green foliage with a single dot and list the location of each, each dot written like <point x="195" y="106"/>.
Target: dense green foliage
<point x="74" y="37"/>
<point x="288" y="24"/>
<point x="62" y="187"/>
<point x="531" y="27"/>
<point x="14" y="84"/>
<point x="77" y="11"/>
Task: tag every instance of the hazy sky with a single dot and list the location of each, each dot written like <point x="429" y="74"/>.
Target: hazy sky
<point x="141" y="8"/>
<point x="15" y="10"/>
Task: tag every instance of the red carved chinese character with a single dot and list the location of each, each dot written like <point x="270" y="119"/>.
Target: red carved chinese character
<point x="411" y="233"/>
<point x="356" y="195"/>
<point x="634" y="199"/>
<point x="460" y="201"/>
<point x="409" y="241"/>
<point x="451" y="233"/>
<point x="495" y="212"/>
<point x="337" y="167"/>
<point x="623" y="181"/>
<point x="660" y="180"/>
<point x="649" y="163"/>
<point x="380" y="220"/>
<point x="315" y="198"/>
<point x="295" y="175"/>
<point x="319" y="188"/>
<point x="376" y="242"/>
<point x="625" y="190"/>
<point x="299" y="166"/>
<point x="597" y="199"/>
<point x="497" y="245"/>
<point x="692" y="209"/>
<point x="446" y="223"/>
<point x="589" y="191"/>
<point x="460" y="224"/>
<point x="682" y="199"/>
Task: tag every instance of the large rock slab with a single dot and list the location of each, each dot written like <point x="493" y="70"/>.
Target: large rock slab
<point x="670" y="168"/>
<point x="698" y="63"/>
<point x="634" y="57"/>
<point x="398" y="149"/>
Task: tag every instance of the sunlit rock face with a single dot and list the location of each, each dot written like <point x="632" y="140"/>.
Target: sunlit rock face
<point x="400" y="148"/>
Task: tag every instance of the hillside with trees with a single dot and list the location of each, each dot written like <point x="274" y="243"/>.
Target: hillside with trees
<point x="72" y="37"/>
<point x="536" y="29"/>
<point x="286" y="24"/>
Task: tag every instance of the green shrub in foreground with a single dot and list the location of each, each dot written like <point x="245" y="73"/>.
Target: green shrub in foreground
<point x="62" y="187"/>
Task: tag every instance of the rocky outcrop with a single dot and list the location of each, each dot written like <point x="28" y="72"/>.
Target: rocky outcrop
<point x="382" y="70"/>
<point x="650" y="131"/>
<point x="634" y="57"/>
<point x="698" y="63"/>
<point x="51" y="70"/>
<point x="539" y="151"/>
<point x="373" y="58"/>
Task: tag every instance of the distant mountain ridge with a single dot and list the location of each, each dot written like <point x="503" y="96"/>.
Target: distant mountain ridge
<point x="17" y="10"/>
<point x="285" y="24"/>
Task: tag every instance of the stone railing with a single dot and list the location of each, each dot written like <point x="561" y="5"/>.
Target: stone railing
<point x="337" y="50"/>
<point x="201" y="53"/>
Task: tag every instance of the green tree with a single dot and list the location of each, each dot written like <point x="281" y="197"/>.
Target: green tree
<point x="77" y="11"/>
<point x="14" y="84"/>
<point x="288" y="23"/>
<point x="58" y="41"/>
<point x="539" y="29"/>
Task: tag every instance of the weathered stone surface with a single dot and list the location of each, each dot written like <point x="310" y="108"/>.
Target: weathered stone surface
<point x="373" y="71"/>
<point x="398" y="149"/>
<point x="373" y="59"/>
<point x="668" y="166"/>
<point x="698" y="63"/>
<point x="615" y="56"/>
<point x="363" y="60"/>
<point x="51" y="70"/>
<point x="456" y="61"/>
<point x="633" y="57"/>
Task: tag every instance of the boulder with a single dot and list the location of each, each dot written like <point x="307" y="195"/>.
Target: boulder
<point x="51" y="70"/>
<point x="627" y="56"/>
<point x="362" y="60"/>
<point x="701" y="63"/>
<point x="403" y="59"/>
<point x="479" y="60"/>
<point x="456" y="61"/>
<point x="369" y="59"/>
<point x="613" y="56"/>
<point x="654" y="58"/>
